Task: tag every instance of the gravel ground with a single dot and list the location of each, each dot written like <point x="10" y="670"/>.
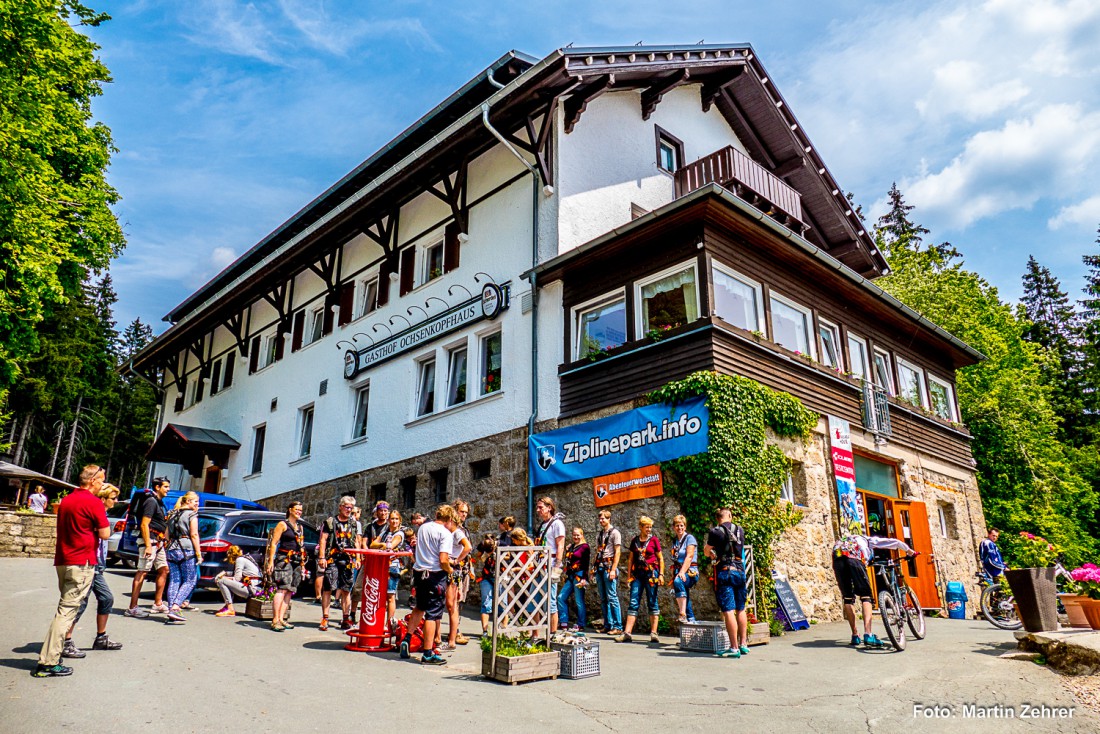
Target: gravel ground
<point x="1085" y="690"/>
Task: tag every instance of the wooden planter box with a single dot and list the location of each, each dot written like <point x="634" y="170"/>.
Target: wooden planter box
<point x="760" y="635"/>
<point x="522" y="668"/>
<point x="262" y="610"/>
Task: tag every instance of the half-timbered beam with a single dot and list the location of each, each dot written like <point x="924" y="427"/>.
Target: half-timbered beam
<point x="578" y="101"/>
<point x="712" y="89"/>
<point x="237" y="328"/>
<point x="653" y="94"/>
<point x="790" y="166"/>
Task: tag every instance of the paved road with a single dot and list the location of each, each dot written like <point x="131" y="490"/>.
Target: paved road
<point x="235" y="675"/>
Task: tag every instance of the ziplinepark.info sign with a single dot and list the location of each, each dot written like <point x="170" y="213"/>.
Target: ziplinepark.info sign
<point x="639" y="437"/>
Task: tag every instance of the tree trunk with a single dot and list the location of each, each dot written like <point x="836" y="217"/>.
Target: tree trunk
<point x="111" y="451"/>
<point x="21" y="442"/>
<point x="56" y="448"/>
<point x="72" y="440"/>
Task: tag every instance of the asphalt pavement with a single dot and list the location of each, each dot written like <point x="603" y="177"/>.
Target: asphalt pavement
<point x="234" y="674"/>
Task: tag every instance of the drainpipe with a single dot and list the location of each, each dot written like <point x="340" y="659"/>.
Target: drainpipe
<point x="535" y="180"/>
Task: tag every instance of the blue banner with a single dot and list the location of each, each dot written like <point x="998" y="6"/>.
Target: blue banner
<point x="638" y="437"/>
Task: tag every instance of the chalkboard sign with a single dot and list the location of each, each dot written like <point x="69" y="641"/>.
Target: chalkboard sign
<point x="790" y="610"/>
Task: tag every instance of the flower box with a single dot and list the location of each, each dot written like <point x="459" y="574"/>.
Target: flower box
<point x="521" y="667"/>
<point x="759" y="635"/>
<point x="1074" y="610"/>
<point x="1034" y="592"/>
<point x="262" y="610"/>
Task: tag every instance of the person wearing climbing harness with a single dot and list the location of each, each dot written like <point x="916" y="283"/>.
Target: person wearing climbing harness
<point x="851" y="554"/>
<point x="647" y="570"/>
<point x="391" y="539"/>
<point x="338" y="534"/>
<point x="285" y="560"/>
<point x="609" y="546"/>
<point x="685" y="568"/>
<point x="726" y="545"/>
<point x="551" y="533"/>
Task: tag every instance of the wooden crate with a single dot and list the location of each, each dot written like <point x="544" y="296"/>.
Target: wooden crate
<point x="760" y="635"/>
<point x="262" y="610"/>
<point x="522" y="668"/>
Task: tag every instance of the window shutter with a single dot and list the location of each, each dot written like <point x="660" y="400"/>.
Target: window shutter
<point x="346" y="302"/>
<point x="227" y="380"/>
<point x="384" y="271"/>
<point x="299" y="326"/>
<point x="280" y="342"/>
<point x="215" y="375"/>
<point x="204" y="372"/>
<point x="451" y="247"/>
<point x="408" y="267"/>
<point x="254" y="357"/>
<point x="179" y="397"/>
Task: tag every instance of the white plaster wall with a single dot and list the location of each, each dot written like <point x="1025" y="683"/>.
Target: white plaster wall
<point x="609" y="160"/>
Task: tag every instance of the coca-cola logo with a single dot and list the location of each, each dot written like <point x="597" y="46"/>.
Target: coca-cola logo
<point x="371" y="599"/>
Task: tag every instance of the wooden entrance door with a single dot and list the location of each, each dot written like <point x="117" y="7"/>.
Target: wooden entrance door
<point x="212" y="479"/>
<point x="911" y="524"/>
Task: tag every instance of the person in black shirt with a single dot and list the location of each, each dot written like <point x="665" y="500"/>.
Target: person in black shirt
<point x="338" y="534"/>
<point x="725" y="545"/>
<point x="150" y="518"/>
<point x="377" y="526"/>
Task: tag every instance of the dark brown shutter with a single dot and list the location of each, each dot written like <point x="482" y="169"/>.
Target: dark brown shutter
<point x="346" y="301"/>
<point x="408" y="268"/>
<point x="254" y="357"/>
<point x="179" y="397"/>
<point x="227" y="380"/>
<point x="451" y="247"/>
<point x="299" y="326"/>
<point x="384" y="271"/>
<point x="215" y="375"/>
<point x="280" y="342"/>
<point x="203" y="373"/>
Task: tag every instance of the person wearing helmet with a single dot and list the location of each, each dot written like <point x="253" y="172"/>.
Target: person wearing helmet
<point x="851" y="554"/>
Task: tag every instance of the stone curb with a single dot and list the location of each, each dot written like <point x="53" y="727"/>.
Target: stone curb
<point x="1070" y="651"/>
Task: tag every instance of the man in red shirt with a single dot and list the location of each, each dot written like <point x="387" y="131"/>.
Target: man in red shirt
<point x="81" y="522"/>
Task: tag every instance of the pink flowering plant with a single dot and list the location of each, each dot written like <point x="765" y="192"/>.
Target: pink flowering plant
<point x="1028" y="550"/>
<point x="1087" y="580"/>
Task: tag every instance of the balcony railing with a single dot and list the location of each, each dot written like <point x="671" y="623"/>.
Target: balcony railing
<point x="876" y="409"/>
<point x="745" y="177"/>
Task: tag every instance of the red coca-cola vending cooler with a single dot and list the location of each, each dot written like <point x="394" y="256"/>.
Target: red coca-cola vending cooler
<point x="372" y="634"/>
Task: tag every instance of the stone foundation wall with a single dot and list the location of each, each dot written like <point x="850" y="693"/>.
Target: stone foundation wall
<point x="27" y="535"/>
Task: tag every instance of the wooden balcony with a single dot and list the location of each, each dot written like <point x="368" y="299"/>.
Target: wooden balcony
<point x="732" y="169"/>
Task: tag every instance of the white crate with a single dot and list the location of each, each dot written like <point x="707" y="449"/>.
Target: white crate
<point x="578" y="661"/>
<point x="704" y="636"/>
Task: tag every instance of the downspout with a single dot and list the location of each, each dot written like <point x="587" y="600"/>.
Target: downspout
<point x="535" y="180"/>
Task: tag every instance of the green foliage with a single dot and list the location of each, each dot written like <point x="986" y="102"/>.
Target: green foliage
<point x="513" y="647"/>
<point x="741" y="469"/>
<point x="1027" y="550"/>
<point x="55" y="215"/>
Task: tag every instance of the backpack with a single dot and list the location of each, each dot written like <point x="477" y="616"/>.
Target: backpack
<point x="178" y="526"/>
<point x="135" y="507"/>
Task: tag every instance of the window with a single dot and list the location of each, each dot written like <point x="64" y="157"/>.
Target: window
<point x="884" y="378"/>
<point x="943" y="522"/>
<point x="359" y="420"/>
<point x="433" y="262"/>
<point x="786" y="490"/>
<point x="305" y="431"/>
<point x="481" y="469"/>
<point x="267" y="350"/>
<point x="425" y="387"/>
<point x="737" y="300"/>
<point x="876" y="476"/>
<point x="830" y="344"/>
<point x="911" y="383"/>
<point x="670" y="151"/>
<point x="368" y="296"/>
<point x="791" y="326"/>
<point x="221" y="373"/>
<point x="192" y="391"/>
<point x="315" y="322"/>
<point x="942" y="398"/>
<point x="456" y="376"/>
<point x="857" y="357"/>
<point x="600" y="326"/>
<point x="439" y="484"/>
<point x="255" y="529"/>
<point x="259" y="433"/>
<point x="408" y="491"/>
<point x="378" y="493"/>
<point x="668" y="300"/>
<point x="491" y="377"/>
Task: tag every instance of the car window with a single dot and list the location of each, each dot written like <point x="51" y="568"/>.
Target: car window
<point x="117" y="512"/>
<point x="311" y="534"/>
<point x="209" y="526"/>
<point x="219" y="503"/>
<point x="252" y="528"/>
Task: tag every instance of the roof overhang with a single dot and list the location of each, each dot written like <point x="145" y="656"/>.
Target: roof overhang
<point x="14" y="471"/>
<point x="189" y="446"/>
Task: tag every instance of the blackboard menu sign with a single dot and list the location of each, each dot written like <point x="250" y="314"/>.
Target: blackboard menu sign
<point x="790" y="609"/>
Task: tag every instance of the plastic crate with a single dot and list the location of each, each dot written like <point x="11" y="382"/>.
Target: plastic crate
<point x="704" y="636"/>
<point x="578" y="661"/>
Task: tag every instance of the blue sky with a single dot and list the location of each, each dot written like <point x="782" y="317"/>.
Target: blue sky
<point x="229" y="116"/>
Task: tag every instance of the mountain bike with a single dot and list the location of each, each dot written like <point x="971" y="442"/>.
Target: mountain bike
<point x="897" y="603"/>
<point x="997" y="603"/>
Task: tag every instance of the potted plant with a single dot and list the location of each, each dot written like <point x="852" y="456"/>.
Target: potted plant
<point x="1087" y="582"/>
<point x="1033" y="585"/>
<point x="518" y="659"/>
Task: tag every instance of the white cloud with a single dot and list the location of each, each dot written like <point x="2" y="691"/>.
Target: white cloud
<point x="222" y="257"/>
<point x="1082" y="214"/>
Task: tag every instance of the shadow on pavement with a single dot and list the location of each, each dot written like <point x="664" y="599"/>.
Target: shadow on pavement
<point x="29" y="647"/>
<point x="325" y="645"/>
<point x="838" y="644"/>
<point x="19" y="663"/>
<point x="996" y="649"/>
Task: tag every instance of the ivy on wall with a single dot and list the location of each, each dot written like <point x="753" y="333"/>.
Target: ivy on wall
<point x="741" y="470"/>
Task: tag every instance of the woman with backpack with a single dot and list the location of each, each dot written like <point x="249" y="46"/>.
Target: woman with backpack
<point x="183" y="553"/>
<point x="647" y="568"/>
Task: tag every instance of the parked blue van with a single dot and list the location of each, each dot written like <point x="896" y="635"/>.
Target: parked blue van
<point x="131" y="533"/>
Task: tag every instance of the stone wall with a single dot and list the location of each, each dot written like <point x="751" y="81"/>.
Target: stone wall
<point x="27" y="535"/>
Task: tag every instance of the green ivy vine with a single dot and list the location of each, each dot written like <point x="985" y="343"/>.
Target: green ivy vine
<point x="740" y="470"/>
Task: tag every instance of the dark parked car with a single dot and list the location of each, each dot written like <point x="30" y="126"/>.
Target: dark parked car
<point x="127" y="546"/>
<point x="248" y="529"/>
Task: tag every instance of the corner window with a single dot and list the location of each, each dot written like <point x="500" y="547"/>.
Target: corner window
<point x="425" y="387"/>
<point x="667" y="300"/>
<point x="456" y="376"/>
<point x="830" y="344"/>
<point x="259" y="435"/>
<point x="315" y="322"/>
<point x="942" y="399"/>
<point x="491" y="355"/>
<point x="857" y="357"/>
<point x="911" y="383"/>
<point x="599" y="325"/>
<point x="670" y="151"/>
<point x="368" y="296"/>
<point x="359" y="420"/>
<point x="305" y="431"/>
<point x="791" y="326"/>
<point x="433" y="262"/>
<point x="738" y="300"/>
<point x="884" y="378"/>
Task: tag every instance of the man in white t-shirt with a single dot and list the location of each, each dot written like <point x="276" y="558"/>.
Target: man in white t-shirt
<point x="551" y="533"/>
<point x="431" y="567"/>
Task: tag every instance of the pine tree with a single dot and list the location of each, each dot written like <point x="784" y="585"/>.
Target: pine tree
<point x="901" y="239"/>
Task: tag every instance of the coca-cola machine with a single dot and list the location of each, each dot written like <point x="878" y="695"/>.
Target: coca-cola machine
<point x="372" y="634"/>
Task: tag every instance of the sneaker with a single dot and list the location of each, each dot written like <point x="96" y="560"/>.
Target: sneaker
<point x="855" y="641"/>
<point x="624" y="637"/>
<point x="403" y="648"/>
<point x="174" y="617"/>
<point x="615" y="632"/>
<point x="226" y="611"/>
<point x="682" y="620"/>
<point x="872" y="641"/>
<point x="346" y="624"/>
<point x="103" y="642"/>
<point x="446" y="647"/>
<point x="432" y="659"/>
<point x="575" y="628"/>
<point x="158" y="609"/>
<point x="323" y="627"/>
<point x="744" y="649"/>
<point x="50" y="671"/>
<point x="287" y="625"/>
<point x="729" y="653"/>
<point x="72" y="651"/>
<point x="185" y="605"/>
<point x="276" y="627"/>
<point x="461" y="639"/>
<point x="136" y="613"/>
<point x="653" y="637"/>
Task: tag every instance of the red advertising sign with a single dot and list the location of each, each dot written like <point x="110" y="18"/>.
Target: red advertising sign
<point x="636" y="484"/>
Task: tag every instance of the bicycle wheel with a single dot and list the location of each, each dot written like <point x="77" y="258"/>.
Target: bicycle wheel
<point x="914" y="615"/>
<point x="893" y="619"/>
<point x="998" y="608"/>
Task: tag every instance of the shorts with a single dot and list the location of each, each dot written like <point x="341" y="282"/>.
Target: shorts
<point x="145" y="564"/>
<point x="287" y="576"/>
<point x="431" y="593"/>
<point x="339" y="577"/>
<point x="391" y="585"/>
<point x="730" y="590"/>
<point x="851" y="579"/>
